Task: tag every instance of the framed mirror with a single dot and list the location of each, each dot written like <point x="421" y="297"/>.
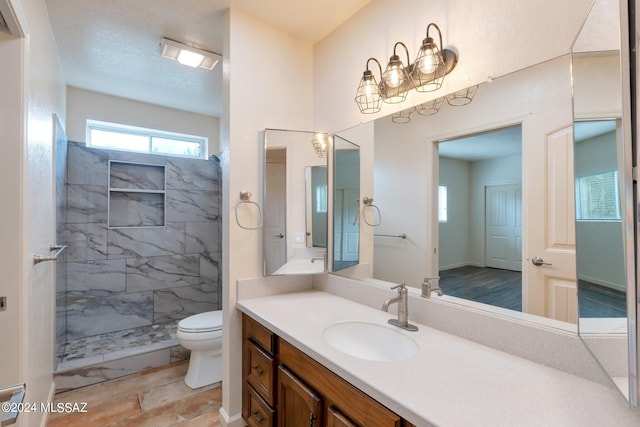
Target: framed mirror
<point x="295" y="202"/>
<point x="347" y="206"/>
<point x="603" y="197"/>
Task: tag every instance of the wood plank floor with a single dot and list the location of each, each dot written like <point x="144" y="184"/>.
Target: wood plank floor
<point x="157" y="397"/>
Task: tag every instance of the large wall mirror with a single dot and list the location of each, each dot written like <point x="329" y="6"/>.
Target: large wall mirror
<point x="480" y="198"/>
<point x="603" y="180"/>
<point x="295" y="232"/>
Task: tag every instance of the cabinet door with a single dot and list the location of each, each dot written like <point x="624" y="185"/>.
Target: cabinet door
<point x="298" y="406"/>
<point x="336" y="419"/>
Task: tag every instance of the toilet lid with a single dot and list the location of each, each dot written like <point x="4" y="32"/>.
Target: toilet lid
<point x="203" y="322"/>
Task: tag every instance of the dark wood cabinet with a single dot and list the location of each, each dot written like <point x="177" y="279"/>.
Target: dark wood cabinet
<point x="284" y="387"/>
<point x="337" y="419"/>
<point x="298" y="405"/>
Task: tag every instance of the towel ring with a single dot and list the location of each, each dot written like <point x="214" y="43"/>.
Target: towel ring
<point x="368" y="203"/>
<point x="245" y="198"/>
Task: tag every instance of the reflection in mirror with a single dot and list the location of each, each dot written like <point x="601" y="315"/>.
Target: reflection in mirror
<point x="600" y="174"/>
<point x="482" y="172"/>
<point x="315" y="178"/>
<point x="603" y="194"/>
<point x="295" y="202"/>
<point x="517" y="126"/>
<point x="346" y="199"/>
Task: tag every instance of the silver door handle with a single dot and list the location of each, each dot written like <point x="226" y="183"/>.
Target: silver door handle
<point x="280" y="236"/>
<point x="12" y="397"/>
<point x="539" y="261"/>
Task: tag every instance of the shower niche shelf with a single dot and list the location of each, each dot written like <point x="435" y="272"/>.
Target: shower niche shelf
<point x="137" y="195"/>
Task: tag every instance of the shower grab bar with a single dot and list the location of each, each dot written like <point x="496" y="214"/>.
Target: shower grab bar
<point x="368" y="203"/>
<point x="400" y="236"/>
<point x="37" y="258"/>
<point x="245" y="198"/>
<point x="13" y="395"/>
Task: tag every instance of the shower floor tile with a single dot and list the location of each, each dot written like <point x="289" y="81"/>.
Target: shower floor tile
<point x="121" y="343"/>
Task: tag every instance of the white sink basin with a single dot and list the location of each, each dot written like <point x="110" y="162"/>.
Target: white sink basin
<point x="370" y="341"/>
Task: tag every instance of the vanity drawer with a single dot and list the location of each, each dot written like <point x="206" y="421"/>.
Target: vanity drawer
<point x="258" y="333"/>
<point x="259" y="413"/>
<point x="260" y="372"/>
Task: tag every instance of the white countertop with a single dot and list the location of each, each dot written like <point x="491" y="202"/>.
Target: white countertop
<point x="450" y="381"/>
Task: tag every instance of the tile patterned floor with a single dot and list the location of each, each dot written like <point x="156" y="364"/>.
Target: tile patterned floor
<point x="157" y="397"/>
<point x="82" y="348"/>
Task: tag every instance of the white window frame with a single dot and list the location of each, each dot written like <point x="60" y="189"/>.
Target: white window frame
<point x="149" y="133"/>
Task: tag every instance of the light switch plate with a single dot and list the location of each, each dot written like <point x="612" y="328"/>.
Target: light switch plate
<point x="299" y="237"/>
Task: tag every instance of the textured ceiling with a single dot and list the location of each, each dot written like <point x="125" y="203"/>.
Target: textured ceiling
<point x="113" y="46"/>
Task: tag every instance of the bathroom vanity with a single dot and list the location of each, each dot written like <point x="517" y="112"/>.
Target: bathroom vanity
<point x="278" y="375"/>
<point x="449" y="381"/>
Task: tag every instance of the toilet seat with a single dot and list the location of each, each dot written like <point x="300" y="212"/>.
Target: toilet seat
<point x="209" y="321"/>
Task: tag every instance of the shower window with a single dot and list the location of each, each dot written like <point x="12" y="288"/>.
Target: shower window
<point x="129" y="138"/>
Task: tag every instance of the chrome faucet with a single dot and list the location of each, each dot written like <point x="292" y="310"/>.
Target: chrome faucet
<point x="320" y="258"/>
<point x="428" y="287"/>
<point x="403" y="308"/>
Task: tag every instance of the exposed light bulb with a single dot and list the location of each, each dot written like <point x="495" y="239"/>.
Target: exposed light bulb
<point x="394" y="77"/>
<point x="428" y="63"/>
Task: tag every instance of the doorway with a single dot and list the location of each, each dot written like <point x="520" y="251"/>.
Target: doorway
<point x="480" y="240"/>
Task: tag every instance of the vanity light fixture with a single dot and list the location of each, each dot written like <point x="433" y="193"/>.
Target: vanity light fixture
<point x="395" y="80"/>
<point x="429" y="68"/>
<point x="189" y="55"/>
<point x="462" y="97"/>
<point x="368" y="96"/>
<point x="320" y="143"/>
<point x="426" y="74"/>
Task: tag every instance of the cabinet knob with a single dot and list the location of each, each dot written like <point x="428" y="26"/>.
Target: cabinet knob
<point x="258" y="370"/>
<point x="256" y="416"/>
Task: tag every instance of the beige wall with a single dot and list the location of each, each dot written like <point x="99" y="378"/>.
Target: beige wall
<point x="280" y="98"/>
<point x="83" y="104"/>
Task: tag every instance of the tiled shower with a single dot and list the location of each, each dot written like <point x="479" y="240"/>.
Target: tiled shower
<point x="144" y="251"/>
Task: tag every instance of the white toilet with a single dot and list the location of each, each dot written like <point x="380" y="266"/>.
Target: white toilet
<point x="202" y="334"/>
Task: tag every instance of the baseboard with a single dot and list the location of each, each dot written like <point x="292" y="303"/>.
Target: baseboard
<point x="227" y="421"/>
<point x="615" y="286"/>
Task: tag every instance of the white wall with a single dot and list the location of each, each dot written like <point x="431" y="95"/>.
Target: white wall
<point x="83" y="104"/>
<point x="454" y="234"/>
<point x="32" y="91"/>
<point x="282" y="99"/>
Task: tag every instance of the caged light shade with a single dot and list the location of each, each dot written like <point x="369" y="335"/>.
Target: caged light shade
<point x="320" y="143"/>
<point x="462" y="97"/>
<point x="395" y="80"/>
<point x="429" y="68"/>
<point x="368" y="96"/>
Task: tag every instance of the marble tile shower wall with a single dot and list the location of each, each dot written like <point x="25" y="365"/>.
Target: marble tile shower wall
<point x="120" y="278"/>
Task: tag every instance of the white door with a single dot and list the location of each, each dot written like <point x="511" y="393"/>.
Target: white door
<point x="549" y="288"/>
<point x="337" y="224"/>
<point x="274" y="217"/>
<point x="503" y="228"/>
<point x="350" y="231"/>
